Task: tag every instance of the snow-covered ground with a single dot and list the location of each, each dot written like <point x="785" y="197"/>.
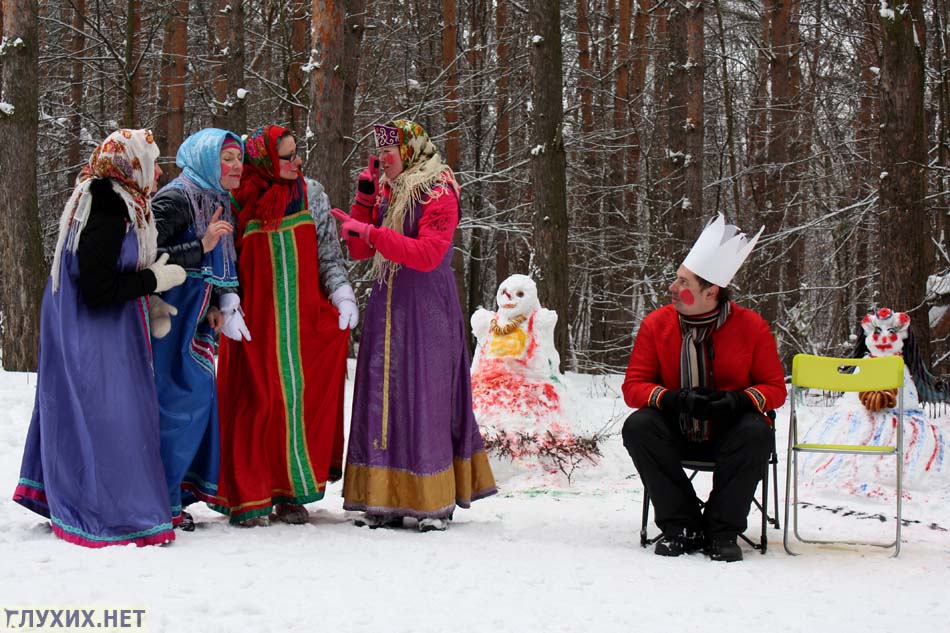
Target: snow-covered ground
<point x="540" y="556"/>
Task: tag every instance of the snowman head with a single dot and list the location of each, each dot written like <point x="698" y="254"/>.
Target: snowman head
<point x="517" y="296"/>
<point x="885" y="331"/>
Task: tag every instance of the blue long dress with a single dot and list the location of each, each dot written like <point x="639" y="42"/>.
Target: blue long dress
<point x="187" y="392"/>
<point x="92" y="463"/>
<point x="184" y="358"/>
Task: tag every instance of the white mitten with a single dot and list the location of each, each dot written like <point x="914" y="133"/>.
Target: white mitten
<point x="344" y="300"/>
<point x="160" y="315"/>
<point x="167" y="275"/>
<point x="234" y="326"/>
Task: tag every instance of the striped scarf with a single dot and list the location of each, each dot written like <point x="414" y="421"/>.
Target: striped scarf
<point x="696" y="359"/>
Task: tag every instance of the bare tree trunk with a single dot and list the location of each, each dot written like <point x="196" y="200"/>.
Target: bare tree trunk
<point x="299" y="51"/>
<point x="548" y="166"/>
<point x="681" y="228"/>
<point x="638" y="75"/>
<point x="355" y="21"/>
<point x="450" y="68"/>
<point x="695" y="104"/>
<point x="171" y="124"/>
<point x="905" y="262"/>
<point x="332" y="89"/>
<point x="132" y="81"/>
<point x="451" y="117"/>
<point x="779" y="137"/>
<point x="77" y="43"/>
<point x="476" y="119"/>
<point x="586" y="77"/>
<point x="231" y="111"/>
<point x="660" y="195"/>
<point x="758" y="120"/>
<point x="502" y="143"/>
<point x="942" y="90"/>
<point x="730" y="118"/>
<point x="21" y="249"/>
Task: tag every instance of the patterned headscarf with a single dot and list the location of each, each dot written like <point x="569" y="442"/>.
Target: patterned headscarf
<point x="200" y="160"/>
<point x="127" y="158"/>
<point x="263" y="194"/>
<point x="422" y="171"/>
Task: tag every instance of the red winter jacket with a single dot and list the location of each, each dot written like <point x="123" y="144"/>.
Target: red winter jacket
<point x="424" y="252"/>
<point x="744" y="359"/>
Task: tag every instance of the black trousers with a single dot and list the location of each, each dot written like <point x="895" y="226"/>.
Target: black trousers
<point x="741" y="450"/>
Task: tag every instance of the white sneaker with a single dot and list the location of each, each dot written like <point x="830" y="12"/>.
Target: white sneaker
<point x="429" y="524"/>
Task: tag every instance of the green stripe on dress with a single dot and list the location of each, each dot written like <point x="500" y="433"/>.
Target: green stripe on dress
<point x="287" y="315"/>
<point x="289" y="223"/>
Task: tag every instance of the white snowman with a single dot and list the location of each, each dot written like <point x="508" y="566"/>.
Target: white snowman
<point x="520" y="334"/>
<point x="517" y="388"/>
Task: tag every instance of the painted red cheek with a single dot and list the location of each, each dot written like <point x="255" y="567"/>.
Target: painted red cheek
<point x="874" y="336"/>
<point x="893" y="337"/>
<point x="225" y="170"/>
<point x="687" y="297"/>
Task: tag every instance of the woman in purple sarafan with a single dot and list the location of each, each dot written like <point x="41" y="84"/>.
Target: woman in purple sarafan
<point x="414" y="447"/>
<point x="92" y="463"/>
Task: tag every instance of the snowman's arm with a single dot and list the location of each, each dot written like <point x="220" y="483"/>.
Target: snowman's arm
<point x="545" y="320"/>
<point x="481" y="321"/>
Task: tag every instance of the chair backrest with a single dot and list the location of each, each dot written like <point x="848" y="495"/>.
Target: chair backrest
<point x="834" y="374"/>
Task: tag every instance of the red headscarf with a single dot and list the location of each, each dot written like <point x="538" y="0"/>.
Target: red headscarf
<point x="263" y="194"/>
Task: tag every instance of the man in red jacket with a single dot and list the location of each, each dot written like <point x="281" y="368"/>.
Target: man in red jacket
<point x="702" y="375"/>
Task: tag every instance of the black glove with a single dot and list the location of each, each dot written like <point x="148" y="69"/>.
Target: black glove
<point x="692" y="401"/>
<point x="366" y="186"/>
<point x="725" y="404"/>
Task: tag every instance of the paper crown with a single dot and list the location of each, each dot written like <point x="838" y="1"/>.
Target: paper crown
<point x="720" y="251"/>
<point x="386" y="136"/>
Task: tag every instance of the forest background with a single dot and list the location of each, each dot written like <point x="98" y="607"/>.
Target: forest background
<point x="592" y="138"/>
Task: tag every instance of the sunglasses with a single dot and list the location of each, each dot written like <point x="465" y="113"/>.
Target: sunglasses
<point x="290" y="157"/>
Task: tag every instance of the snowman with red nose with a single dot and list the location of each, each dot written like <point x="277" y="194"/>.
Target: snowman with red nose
<point x="518" y="392"/>
<point x="870" y="417"/>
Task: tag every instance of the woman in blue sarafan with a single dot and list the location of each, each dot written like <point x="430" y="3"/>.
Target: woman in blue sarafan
<point x="92" y="462"/>
<point x="192" y="214"/>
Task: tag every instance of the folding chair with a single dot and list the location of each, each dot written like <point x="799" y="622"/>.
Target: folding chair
<point x="843" y="374"/>
<point x="762" y="504"/>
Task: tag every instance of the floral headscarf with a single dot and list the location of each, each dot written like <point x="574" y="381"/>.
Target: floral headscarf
<point x="263" y="194"/>
<point x="423" y="171"/>
<point x="127" y="158"/>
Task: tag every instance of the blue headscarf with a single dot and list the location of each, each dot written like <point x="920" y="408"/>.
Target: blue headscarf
<point x="199" y="158"/>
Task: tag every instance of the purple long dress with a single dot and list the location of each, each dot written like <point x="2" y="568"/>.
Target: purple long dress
<point x="92" y="463"/>
<point x="414" y="446"/>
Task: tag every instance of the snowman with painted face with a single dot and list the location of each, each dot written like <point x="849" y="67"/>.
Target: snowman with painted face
<point x="516" y="385"/>
<point x="871" y="418"/>
<point x="520" y="335"/>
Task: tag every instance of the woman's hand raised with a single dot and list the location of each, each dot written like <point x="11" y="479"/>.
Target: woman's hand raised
<point x="217" y="229"/>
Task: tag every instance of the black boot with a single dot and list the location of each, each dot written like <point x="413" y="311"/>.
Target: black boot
<point x="187" y="522"/>
<point x="724" y="549"/>
<point x="680" y="541"/>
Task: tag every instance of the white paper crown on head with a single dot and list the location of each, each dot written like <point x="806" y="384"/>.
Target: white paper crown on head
<point x="720" y="251"/>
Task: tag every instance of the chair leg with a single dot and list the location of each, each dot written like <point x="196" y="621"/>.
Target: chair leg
<point x="764" y="539"/>
<point x="774" y="460"/>
<point x="644" y="539"/>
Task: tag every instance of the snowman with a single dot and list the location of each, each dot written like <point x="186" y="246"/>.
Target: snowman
<point x="517" y="389"/>
<point x="871" y="418"/>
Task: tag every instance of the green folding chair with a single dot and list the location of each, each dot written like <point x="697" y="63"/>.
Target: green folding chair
<point x="843" y="374"/>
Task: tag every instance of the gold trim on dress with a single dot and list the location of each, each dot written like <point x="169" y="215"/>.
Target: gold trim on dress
<point x="378" y="487"/>
<point x="382" y="442"/>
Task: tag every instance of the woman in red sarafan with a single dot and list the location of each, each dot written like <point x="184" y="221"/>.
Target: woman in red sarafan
<point x="281" y="392"/>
